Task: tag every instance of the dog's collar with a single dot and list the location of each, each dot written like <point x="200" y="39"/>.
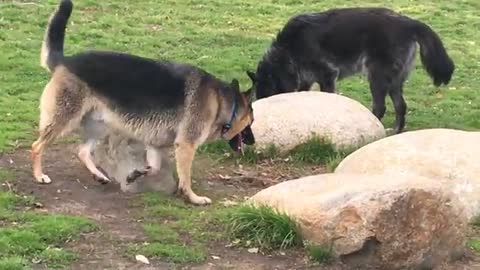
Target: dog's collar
<point x="228" y="125"/>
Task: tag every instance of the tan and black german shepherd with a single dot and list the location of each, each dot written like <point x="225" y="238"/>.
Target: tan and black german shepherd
<point x="160" y="103"/>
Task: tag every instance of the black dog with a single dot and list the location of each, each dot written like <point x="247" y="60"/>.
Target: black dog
<point x="328" y="46"/>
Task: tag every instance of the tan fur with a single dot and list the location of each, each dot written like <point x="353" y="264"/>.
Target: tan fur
<point x="241" y="122"/>
<point x="66" y="99"/>
<point x="184" y="155"/>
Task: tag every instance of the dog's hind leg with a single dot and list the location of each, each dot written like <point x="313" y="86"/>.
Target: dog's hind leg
<point x="379" y="88"/>
<point x="396" y="94"/>
<point x="85" y="156"/>
<point x="94" y="129"/>
<point x="184" y="154"/>
<point x="60" y="110"/>
<point x="47" y="135"/>
<point x="396" y="91"/>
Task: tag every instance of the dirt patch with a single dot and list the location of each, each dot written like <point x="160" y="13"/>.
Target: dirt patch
<point x="73" y="191"/>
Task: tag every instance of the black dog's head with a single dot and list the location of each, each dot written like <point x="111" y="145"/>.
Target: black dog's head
<point x="275" y="74"/>
<point x="264" y="82"/>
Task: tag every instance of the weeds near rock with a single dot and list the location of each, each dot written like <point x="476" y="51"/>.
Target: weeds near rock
<point x="314" y="151"/>
<point x="264" y="227"/>
<point x="319" y="254"/>
<point x="474" y="244"/>
<point x="476" y="221"/>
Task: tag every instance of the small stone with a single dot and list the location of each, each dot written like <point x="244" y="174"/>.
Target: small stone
<point x="224" y="177"/>
<point x="233" y="243"/>
<point x="142" y="259"/>
<point x="227" y="203"/>
<point x="38" y="205"/>
<point x="253" y="250"/>
<point x="215" y="257"/>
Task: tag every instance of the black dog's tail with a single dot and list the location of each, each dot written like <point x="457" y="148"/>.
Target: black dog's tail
<point x="434" y="57"/>
<point x="52" y="46"/>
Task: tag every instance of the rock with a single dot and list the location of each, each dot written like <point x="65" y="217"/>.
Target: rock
<point x="119" y="156"/>
<point x="287" y="120"/>
<point x="142" y="259"/>
<point x="390" y="221"/>
<point x="448" y="156"/>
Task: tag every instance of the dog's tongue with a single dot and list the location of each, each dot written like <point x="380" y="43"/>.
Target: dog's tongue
<point x="239" y="143"/>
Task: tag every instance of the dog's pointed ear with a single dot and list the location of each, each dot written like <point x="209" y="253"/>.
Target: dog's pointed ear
<point x="235" y="85"/>
<point x="252" y="76"/>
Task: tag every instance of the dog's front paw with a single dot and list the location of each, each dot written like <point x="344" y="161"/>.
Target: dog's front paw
<point x="44" y="179"/>
<point x="199" y="200"/>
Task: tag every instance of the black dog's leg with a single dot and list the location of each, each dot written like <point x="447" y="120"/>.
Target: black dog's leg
<point x="305" y="86"/>
<point x="327" y="78"/>
<point x="327" y="86"/>
<point x="378" y="87"/>
<point x="396" y="94"/>
<point x="396" y="91"/>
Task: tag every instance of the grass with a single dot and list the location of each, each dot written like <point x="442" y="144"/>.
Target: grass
<point x="175" y="253"/>
<point x="178" y="231"/>
<point x="333" y="161"/>
<point x="26" y="235"/>
<point x="313" y="151"/>
<point x="476" y="221"/>
<point x="319" y="254"/>
<point x="474" y="244"/>
<point x="264" y="227"/>
<point x="225" y="38"/>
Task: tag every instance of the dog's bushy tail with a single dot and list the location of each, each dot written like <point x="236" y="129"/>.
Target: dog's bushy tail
<point x="434" y="57"/>
<point x="52" y="46"/>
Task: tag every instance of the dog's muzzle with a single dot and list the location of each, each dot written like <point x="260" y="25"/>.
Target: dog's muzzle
<point x="244" y="137"/>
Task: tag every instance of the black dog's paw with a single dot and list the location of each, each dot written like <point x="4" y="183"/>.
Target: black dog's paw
<point x="136" y="174"/>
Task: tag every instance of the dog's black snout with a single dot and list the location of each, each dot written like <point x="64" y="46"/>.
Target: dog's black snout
<point x="247" y="136"/>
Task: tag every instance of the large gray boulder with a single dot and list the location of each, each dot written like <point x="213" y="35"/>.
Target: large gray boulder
<point x="446" y="155"/>
<point x="391" y="221"/>
<point x="287" y="120"/>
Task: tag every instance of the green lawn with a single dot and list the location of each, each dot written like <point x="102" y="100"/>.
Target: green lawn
<point x="225" y="38"/>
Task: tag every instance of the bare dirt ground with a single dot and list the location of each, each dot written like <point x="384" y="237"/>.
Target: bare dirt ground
<point x="74" y="192"/>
